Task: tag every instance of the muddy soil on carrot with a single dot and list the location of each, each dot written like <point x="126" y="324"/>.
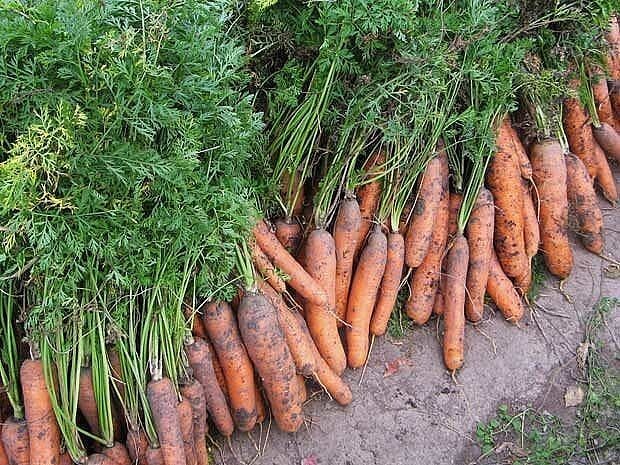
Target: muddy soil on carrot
<point x="408" y="410"/>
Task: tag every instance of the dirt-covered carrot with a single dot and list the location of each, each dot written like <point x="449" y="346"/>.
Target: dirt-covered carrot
<point x="43" y="431"/>
<point x="612" y="35"/>
<point x="479" y="233"/>
<point x="531" y="232"/>
<point x="299" y="279"/>
<point x="608" y="139"/>
<point x="200" y="359"/>
<point x="266" y="268"/>
<point x="363" y="295"/>
<point x="404" y="217"/>
<point x="217" y="368"/>
<point x="221" y="326"/>
<point x="65" y="459"/>
<point x="549" y="174"/>
<point x="86" y="400"/>
<point x="426" y="278"/>
<point x="346" y="230"/>
<point x="503" y="293"/>
<point x="453" y="212"/>
<point x="261" y="409"/>
<point x="605" y="178"/>
<point x="418" y="238"/>
<point x="186" y="422"/>
<point x="390" y="283"/>
<point x="194" y="321"/>
<point x="582" y="199"/>
<point x="600" y="91"/>
<point x="154" y="456"/>
<point x="302" y="389"/>
<point x="368" y="196"/>
<point x="290" y="234"/>
<point x="525" y="167"/>
<point x="194" y="393"/>
<point x="454" y="303"/>
<point x="295" y="331"/>
<point x="118" y="453"/>
<point x="100" y="459"/>
<point x="579" y="133"/>
<point x="614" y="98"/>
<point x="162" y="400"/>
<point x="264" y="340"/>
<point x="4" y="460"/>
<point x="137" y="443"/>
<point x="15" y="441"/>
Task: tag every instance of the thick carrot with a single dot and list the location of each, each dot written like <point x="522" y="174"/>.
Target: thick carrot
<point x="608" y="139"/>
<point x="600" y="92"/>
<point x="582" y="198"/>
<point x="221" y="326"/>
<point x="503" y="293"/>
<point x="346" y="230"/>
<point x="289" y="233"/>
<point x="186" y="422"/>
<point x="605" y="178"/>
<point x="118" y="452"/>
<point x="390" y="283"/>
<point x="43" y="431"/>
<point x="531" y="233"/>
<point x="200" y="359"/>
<point x="86" y="400"/>
<point x="368" y="196"/>
<point x="266" y="268"/>
<point x="549" y="173"/>
<point x="162" y="400"/>
<point x="263" y="337"/>
<point x="15" y="441"/>
<point x="418" y="238"/>
<point x="154" y="456"/>
<point x="479" y="232"/>
<point x="504" y="181"/>
<point x="454" y="303"/>
<point x="454" y="207"/>
<point x="525" y="167"/>
<point x="195" y="394"/>
<point x="299" y="279"/>
<point x="295" y="331"/>
<point x="320" y="253"/>
<point x="363" y="296"/>
<point x="99" y="459"/>
<point x="426" y="278"/>
<point x="137" y="443"/>
<point x="579" y="133"/>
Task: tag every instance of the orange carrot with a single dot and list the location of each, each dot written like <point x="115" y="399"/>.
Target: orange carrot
<point x="221" y="326"/>
<point x="454" y="207"/>
<point x="266" y="268"/>
<point x="600" y="92"/>
<point x="614" y="98"/>
<point x="418" y="238"/>
<point x="363" y="295"/>
<point x="582" y="198"/>
<point x="525" y="167"/>
<point x="289" y="233"/>
<point x="531" y="233"/>
<point x="320" y="253"/>
<point x="368" y="196"/>
<point x="605" y="177"/>
<point x="200" y="359"/>
<point x="390" y="283"/>
<point x="608" y="139"/>
<point x="262" y="335"/>
<point x="118" y="453"/>
<point x="86" y="400"/>
<point x="193" y="321"/>
<point x="612" y="36"/>
<point x="404" y="217"/>
<point x="346" y="230"/>
<point x="549" y="173"/>
<point x="299" y="279"/>
<point x="579" y="133"/>
<point x="186" y="422"/>
<point x="503" y="293"/>
<point x="195" y="394"/>
<point x="15" y="441"/>
<point x="137" y="443"/>
<point x="261" y="410"/>
<point x="479" y="233"/>
<point x="163" y="400"/>
<point x="43" y="431"/>
<point x="454" y="303"/>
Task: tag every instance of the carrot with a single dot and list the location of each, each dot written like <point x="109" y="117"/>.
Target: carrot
<point x="194" y="321"/>
<point x="605" y="177"/>
<point x="418" y="238"/>
<point x="154" y="456"/>
<point x="195" y="395"/>
<point x="320" y="251"/>
<point x="438" y="301"/>
<point x="137" y="444"/>
<point x="613" y="39"/>
<point x="608" y="139"/>
<point x="503" y="293"/>
<point x="43" y="431"/>
<point x="579" y="133"/>
<point x="118" y="453"/>
<point x="217" y="368"/>
<point x="262" y="335"/>
<point x="404" y="217"/>
<point x="299" y="279"/>
<point x="368" y="196"/>
<point x="301" y="388"/>
<point x="614" y="98"/>
<point x="600" y="92"/>
<point x="295" y="331"/>
<point x="454" y="206"/>
<point x="390" y="283"/>
<point x="549" y="173"/>
<point x="15" y="441"/>
<point x="504" y="181"/>
<point x="221" y="326"/>
<point x="186" y="422"/>
<point x="454" y="303"/>
<point x="346" y="230"/>
<point x="99" y="459"/>
<point x="261" y="410"/>
<point x="363" y="295"/>
<point x="531" y="233"/>
<point x="525" y="167"/>
<point x="289" y="234"/>
<point x="4" y="460"/>
<point x="65" y="459"/>
<point x="86" y="400"/>
<point x="266" y="268"/>
<point x="200" y="359"/>
<point x="162" y="400"/>
<point x="116" y="376"/>
<point x="582" y="198"/>
<point x="479" y="232"/>
<point x="426" y="278"/>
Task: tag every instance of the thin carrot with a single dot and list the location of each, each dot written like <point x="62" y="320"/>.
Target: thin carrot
<point x="605" y="178"/>
<point x="299" y="279"/>
<point x="612" y="36"/>
<point x="137" y="443"/>
<point x="221" y="326"/>
<point x="186" y="421"/>
<point x="162" y="400"/>
<point x="503" y="293"/>
<point x="363" y="295"/>
<point x="579" y="132"/>
<point x="86" y="400"/>
<point x="118" y="452"/>
<point x="404" y="217"/>
<point x="266" y="268"/>
<point x="600" y="91"/>
<point x="368" y="196"/>
<point x="531" y="232"/>
<point x="194" y="321"/>
<point x="525" y="167"/>
<point x="608" y="139"/>
<point x="43" y="431"/>
<point x="15" y="441"/>
<point x="195" y="394"/>
<point x="454" y="205"/>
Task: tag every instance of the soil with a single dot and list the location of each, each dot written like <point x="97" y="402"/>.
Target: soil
<point x="420" y="414"/>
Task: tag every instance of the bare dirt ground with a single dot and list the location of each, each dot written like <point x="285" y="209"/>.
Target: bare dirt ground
<point x="420" y="415"/>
